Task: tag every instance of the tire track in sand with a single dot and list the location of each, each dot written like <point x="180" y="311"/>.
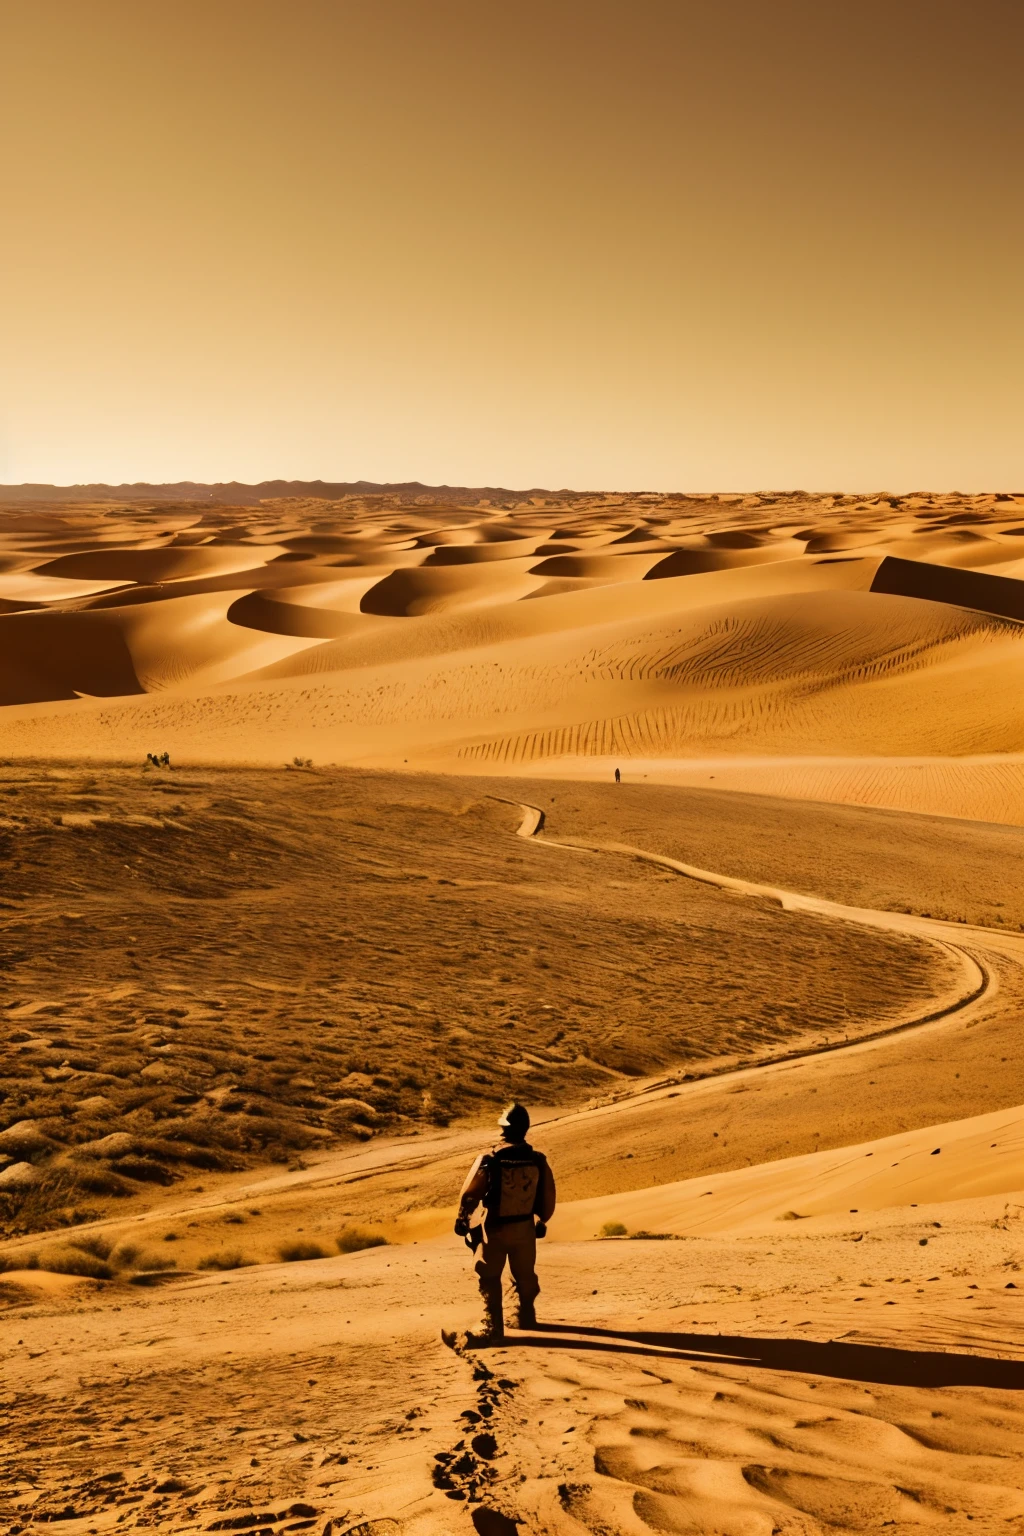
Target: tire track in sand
<point x="980" y="983"/>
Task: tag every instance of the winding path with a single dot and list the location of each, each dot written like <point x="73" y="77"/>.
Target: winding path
<point x="979" y="982"/>
<point x="972" y="999"/>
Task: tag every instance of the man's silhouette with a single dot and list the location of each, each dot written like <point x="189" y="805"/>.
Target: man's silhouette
<point x="515" y="1186"/>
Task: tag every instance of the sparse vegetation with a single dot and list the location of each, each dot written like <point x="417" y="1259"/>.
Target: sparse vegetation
<point x="13" y="1261"/>
<point x="100" y="1247"/>
<point x="154" y="1263"/>
<point x="613" y="1229"/>
<point x="298" y="1252"/>
<point x="131" y="1077"/>
<point x="73" y="1261"/>
<point x="229" y="1258"/>
<point x="91" y="1256"/>
<point x="355" y="1239"/>
<point x="125" y="1255"/>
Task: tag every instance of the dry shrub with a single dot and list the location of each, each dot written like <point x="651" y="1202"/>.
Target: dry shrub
<point x="613" y="1229"/>
<point x="12" y="1261"/>
<point x="209" y="1161"/>
<point x="100" y="1181"/>
<point x="154" y="1263"/>
<point x="144" y="1169"/>
<point x="77" y="1216"/>
<point x="72" y="1261"/>
<point x="45" y="1204"/>
<point x="268" y="1130"/>
<point x="293" y="1253"/>
<point x="228" y="1258"/>
<point x="355" y="1239"/>
<point x="99" y="1247"/>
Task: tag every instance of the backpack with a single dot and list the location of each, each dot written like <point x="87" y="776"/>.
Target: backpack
<point x="514" y="1183"/>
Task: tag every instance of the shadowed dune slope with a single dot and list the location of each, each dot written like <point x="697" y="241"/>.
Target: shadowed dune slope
<point x="584" y="631"/>
<point x="140" y="648"/>
<point x="988" y="593"/>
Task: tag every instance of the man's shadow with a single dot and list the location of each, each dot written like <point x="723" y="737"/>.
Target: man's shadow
<point x="845" y="1362"/>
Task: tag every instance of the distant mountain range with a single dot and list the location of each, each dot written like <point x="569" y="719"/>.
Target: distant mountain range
<point x="233" y="492"/>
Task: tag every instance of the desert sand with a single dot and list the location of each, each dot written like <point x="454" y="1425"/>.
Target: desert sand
<point x="855" y="649"/>
<point x="763" y="998"/>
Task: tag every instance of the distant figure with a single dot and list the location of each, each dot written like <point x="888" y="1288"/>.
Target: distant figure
<point x="165" y="761"/>
<point x="517" y="1190"/>
<point x="618" y="777"/>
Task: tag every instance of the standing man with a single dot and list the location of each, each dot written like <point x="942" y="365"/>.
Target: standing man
<point x="515" y="1186"/>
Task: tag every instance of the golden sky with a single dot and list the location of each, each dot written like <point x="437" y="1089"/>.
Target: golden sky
<point x="652" y="244"/>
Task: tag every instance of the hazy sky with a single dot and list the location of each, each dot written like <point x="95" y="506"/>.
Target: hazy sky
<point x="648" y="244"/>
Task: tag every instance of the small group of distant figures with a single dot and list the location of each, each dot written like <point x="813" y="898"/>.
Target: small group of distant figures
<point x="153" y="760"/>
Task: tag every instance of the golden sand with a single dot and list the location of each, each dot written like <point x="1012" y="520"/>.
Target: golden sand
<point x="255" y="1015"/>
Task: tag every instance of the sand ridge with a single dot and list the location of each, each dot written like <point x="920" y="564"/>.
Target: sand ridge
<point x="524" y="634"/>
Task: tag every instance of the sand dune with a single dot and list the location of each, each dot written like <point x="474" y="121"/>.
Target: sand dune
<point x="602" y="567"/>
<point x="250" y="1010"/>
<point x="482" y="551"/>
<point x="986" y="788"/>
<point x="147" y="566"/>
<point x="715" y="1393"/>
<point x="966" y="1160"/>
<point x="136" y="649"/>
<point x="435" y="589"/>
<point x="773" y="1046"/>
<point x="618" y="629"/>
<point x="988" y="593"/>
<point x="691" y="562"/>
<point x="29" y="589"/>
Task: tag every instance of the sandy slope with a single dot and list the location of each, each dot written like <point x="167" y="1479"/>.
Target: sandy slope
<point x="721" y="1383"/>
<point x="244" y="1009"/>
<point x="989" y="787"/>
<point x="718" y="1382"/>
<point x="980" y="1156"/>
<point x="850" y="648"/>
<point x="340" y="954"/>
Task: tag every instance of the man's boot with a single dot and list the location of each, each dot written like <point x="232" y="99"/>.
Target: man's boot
<point x="526" y="1316"/>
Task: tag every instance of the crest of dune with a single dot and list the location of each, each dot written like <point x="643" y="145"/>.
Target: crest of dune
<point x="857" y="644"/>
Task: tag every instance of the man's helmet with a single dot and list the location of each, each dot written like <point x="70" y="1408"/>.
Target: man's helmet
<point x="515" y="1120"/>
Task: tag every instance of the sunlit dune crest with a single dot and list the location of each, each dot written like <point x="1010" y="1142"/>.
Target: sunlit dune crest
<point x="855" y="648"/>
